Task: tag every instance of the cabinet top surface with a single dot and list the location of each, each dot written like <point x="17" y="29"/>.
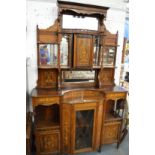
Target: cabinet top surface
<point x="38" y="92"/>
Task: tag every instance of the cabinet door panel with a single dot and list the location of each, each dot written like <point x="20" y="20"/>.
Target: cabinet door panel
<point x="83" y="50"/>
<point x="111" y="133"/>
<point x="47" y="142"/>
<point x="83" y="128"/>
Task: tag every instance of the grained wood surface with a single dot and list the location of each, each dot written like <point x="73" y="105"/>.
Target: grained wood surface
<point x="55" y="102"/>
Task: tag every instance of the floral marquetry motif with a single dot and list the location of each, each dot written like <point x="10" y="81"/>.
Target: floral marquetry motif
<point x="106" y="77"/>
<point x="47" y="78"/>
<point x="48" y="142"/>
<point x="83" y="50"/>
<point x="111" y="133"/>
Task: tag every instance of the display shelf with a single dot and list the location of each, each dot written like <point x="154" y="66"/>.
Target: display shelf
<point x="47" y="124"/>
<point x="112" y="117"/>
<point x="47" y="67"/>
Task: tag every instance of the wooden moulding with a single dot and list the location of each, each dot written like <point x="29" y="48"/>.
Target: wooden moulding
<point x="81" y="96"/>
<point x="45" y="100"/>
<point x="82" y="9"/>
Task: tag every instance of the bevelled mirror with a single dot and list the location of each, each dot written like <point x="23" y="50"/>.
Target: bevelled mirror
<point x="48" y="54"/>
<point x="65" y="50"/>
<point x="109" y="56"/>
<point x="78" y="22"/>
<point x="96" y="51"/>
<point x="78" y="76"/>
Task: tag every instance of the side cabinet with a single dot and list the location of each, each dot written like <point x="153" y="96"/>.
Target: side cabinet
<point x="113" y="117"/>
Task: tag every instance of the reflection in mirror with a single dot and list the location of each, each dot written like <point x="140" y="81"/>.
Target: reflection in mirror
<point x="108" y="56"/>
<point x="74" y="22"/>
<point x="48" y="54"/>
<point x="64" y="51"/>
<point x="78" y="76"/>
<point x="96" y="51"/>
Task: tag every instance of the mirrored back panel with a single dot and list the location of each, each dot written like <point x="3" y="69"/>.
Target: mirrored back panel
<point x="79" y="22"/>
<point x="78" y="76"/>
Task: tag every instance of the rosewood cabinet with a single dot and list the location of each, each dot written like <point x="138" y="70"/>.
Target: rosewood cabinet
<point x="76" y="105"/>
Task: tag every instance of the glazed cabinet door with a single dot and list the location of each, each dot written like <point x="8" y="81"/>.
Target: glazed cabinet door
<point x="83" y="127"/>
<point x="83" y="51"/>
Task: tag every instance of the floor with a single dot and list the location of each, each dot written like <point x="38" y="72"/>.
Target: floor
<point x="111" y="149"/>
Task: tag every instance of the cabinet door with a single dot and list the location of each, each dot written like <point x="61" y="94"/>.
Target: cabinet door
<point x="83" y="128"/>
<point x="111" y="132"/>
<point x="47" y="142"/>
<point x="83" y="51"/>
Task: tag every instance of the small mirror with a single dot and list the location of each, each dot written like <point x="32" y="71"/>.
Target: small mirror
<point x="96" y="51"/>
<point x="109" y="56"/>
<point x="66" y="50"/>
<point x="76" y="22"/>
<point x="78" y="76"/>
<point x="48" y="54"/>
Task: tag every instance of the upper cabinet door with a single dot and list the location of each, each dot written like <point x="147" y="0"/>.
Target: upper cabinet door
<point x="83" y="51"/>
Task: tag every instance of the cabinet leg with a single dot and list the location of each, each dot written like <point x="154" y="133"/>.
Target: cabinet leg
<point x="118" y="145"/>
<point x="99" y="150"/>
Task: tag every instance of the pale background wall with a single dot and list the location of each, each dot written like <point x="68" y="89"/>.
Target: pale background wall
<point x="44" y="12"/>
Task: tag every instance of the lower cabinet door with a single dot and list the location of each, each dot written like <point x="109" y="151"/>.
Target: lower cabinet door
<point x="111" y="132"/>
<point x="83" y="127"/>
<point x="47" y="142"/>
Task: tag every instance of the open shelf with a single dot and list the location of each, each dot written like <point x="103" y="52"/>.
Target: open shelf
<point x="47" y="67"/>
<point x="47" y="117"/>
<point x="47" y="124"/>
<point x="112" y="117"/>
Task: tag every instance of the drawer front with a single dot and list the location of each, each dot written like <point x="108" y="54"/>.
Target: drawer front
<point x="115" y="95"/>
<point x="44" y="100"/>
<point x="111" y="133"/>
<point x="47" y="142"/>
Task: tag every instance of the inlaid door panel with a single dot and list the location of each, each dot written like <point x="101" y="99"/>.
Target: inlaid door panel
<point x="47" y="142"/>
<point x="83" y="50"/>
<point x="111" y="132"/>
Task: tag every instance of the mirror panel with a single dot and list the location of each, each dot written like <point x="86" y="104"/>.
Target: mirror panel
<point x="66" y="50"/>
<point x="96" y="51"/>
<point x="48" y="54"/>
<point x="109" y="56"/>
<point x="76" y="22"/>
<point x="78" y="76"/>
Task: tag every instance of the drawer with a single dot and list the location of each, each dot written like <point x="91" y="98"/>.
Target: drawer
<point x="47" y="141"/>
<point x="44" y="100"/>
<point x="115" y="95"/>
